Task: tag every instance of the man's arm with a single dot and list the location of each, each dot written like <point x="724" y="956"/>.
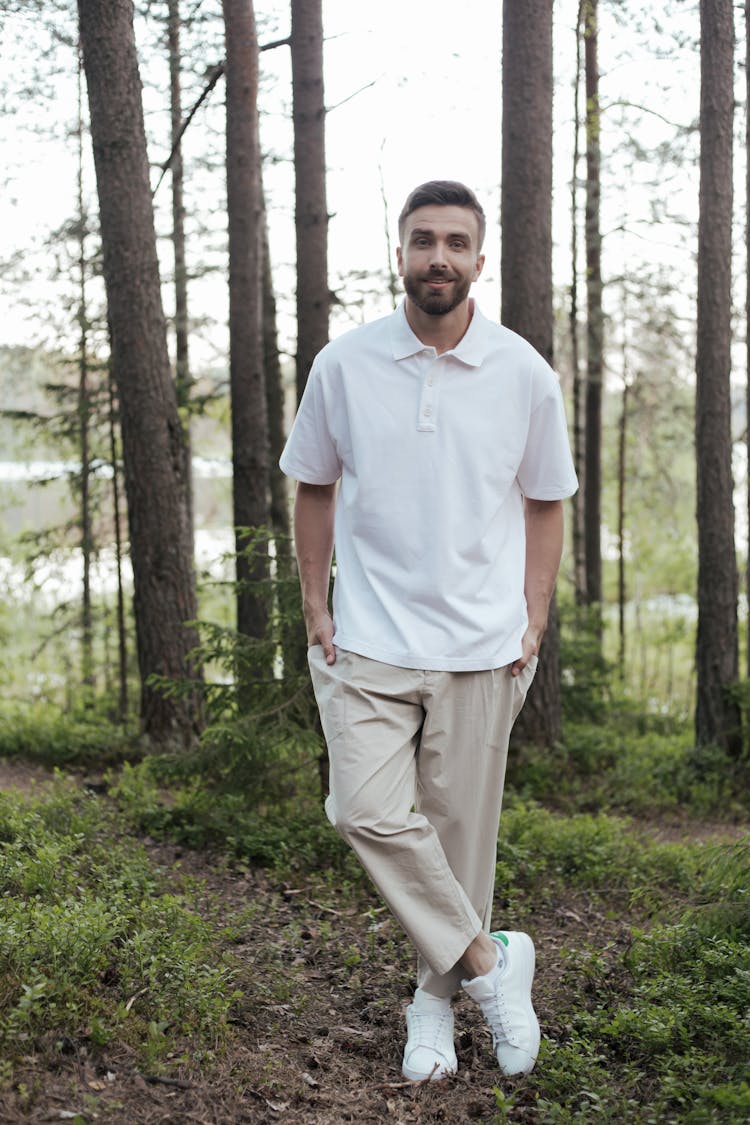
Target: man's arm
<point x="314" y="506"/>
<point x="544" y="543"/>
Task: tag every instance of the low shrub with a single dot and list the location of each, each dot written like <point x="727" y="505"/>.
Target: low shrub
<point x="94" y="942"/>
<point x="52" y="737"/>
<point x="292" y="838"/>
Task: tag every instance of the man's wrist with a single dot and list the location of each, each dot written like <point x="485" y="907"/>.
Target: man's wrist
<point x="534" y="634"/>
<point x="314" y="609"/>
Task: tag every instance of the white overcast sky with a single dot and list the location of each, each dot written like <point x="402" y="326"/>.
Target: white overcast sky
<point x="433" y="110"/>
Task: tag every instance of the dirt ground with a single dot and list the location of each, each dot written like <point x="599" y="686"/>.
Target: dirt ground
<point x="318" y="1035"/>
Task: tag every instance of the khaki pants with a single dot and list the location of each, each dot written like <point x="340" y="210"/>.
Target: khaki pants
<point x="417" y="765"/>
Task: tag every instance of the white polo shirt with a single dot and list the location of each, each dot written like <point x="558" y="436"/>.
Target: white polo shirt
<point x="434" y="454"/>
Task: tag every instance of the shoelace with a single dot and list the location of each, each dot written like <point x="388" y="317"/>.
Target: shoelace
<point x="430" y="1030"/>
<point x="498" y="1017"/>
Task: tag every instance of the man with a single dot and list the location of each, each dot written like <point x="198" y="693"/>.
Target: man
<point x="446" y="435"/>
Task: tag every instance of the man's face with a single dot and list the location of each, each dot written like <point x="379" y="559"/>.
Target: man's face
<point x="440" y="257"/>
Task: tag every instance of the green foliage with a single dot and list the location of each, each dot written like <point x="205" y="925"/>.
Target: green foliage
<point x="682" y="1029"/>
<point x="661" y="547"/>
<point x="539" y="848"/>
<point x="629" y="760"/>
<point x="92" y="937"/>
<point x="55" y="738"/>
<point x="656" y="1028"/>
<point x="261" y="737"/>
<point x="297" y="838"/>
<point x="724" y="893"/>
<point x="584" y="673"/>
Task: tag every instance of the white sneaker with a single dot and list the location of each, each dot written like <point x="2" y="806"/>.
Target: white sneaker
<point x="429" y="1052"/>
<point x="504" y="995"/>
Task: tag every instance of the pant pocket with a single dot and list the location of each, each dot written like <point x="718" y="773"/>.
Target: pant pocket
<point x="521" y="684"/>
<point x="328" y="689"/>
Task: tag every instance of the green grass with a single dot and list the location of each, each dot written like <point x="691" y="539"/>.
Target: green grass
<point x="651" y="1018"/>
<point x="656" y="1030"/>
<point x="290" y="838"/>
<point x="539" y="849"/>
<point x="94" y="941"/>
<point x="54" y="738"/>
<point x="661" y="1035"/>
<point x="653" y="1027"/>
<point x="633" y="763"/>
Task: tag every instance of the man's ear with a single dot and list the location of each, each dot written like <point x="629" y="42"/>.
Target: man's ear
<point x="400" y="261"/>
<point x="479" y="266"/>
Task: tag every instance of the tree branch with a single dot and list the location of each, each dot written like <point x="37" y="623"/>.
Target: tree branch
<point x="330" y="108"/>
<point x="646" y="109"/>
<point x="213" y="77"/>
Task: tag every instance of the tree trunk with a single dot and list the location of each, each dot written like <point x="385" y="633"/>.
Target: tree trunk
<point x="122" y="639"/>
<point x="621" y="485"/>
<point x="84" y="411"/>
<point x="183" y="380"/>
<point x="595" y="319"/>
<point x="526" y="268"/>
<point x="247" y="383"/>
<point x="577" y="501"/>
<point x="311" y="208"/>
<point x="716" y="717"/>
<point x="292" y="634"/>
<point x="747" y="314"/>
<point x="164" y="588"/>
<point x="274" y="403"/>
<point x="393" y="283"/>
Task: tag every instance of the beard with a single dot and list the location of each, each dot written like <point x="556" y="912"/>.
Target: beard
<point x="436" y="304"/>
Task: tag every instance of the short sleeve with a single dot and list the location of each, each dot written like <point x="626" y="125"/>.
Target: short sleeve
<point x="310" y="453"/>
<point x="546" y="471"/>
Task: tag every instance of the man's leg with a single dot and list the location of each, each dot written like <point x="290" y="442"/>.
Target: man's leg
<point x="374" y="720"/>
<point x="461" y="772"/>
<point x="372" y="716"/>
<point x="460" y="776"/>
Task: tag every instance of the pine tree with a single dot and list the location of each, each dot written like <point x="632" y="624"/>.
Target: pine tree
<point x="526" y="208"/>
<point x="160" y="541"/>
<point x="716" y="717"/>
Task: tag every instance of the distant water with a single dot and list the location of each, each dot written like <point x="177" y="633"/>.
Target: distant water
<point x="205" y="468"/>
<point x="58" y="577"/>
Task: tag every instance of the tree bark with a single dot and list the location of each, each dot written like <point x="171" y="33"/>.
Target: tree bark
<point x="84" y="409"/>
<point x="717" y="716"/>
<point x="183" y="381"/>
<point x="274" y="402"/>
<point x="526" y="267"/>
<point x="122" y="638"/>
<point x="247" y="383"/>
<point x="595" y="318"/>
<point x="747" y="316"/>
<point x="622" y="438"/>
<point x="311" y="208"/>
<point x="164" y="588"/>
<point x="577" y="501"/>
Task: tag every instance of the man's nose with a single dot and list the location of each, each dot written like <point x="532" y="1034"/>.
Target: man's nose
<point x="437" y="258"/>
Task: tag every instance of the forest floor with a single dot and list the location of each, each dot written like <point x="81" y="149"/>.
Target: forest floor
<point x="318" y="1026"/>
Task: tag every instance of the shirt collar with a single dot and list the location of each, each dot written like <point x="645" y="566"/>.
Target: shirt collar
<point x="470" y="349"/>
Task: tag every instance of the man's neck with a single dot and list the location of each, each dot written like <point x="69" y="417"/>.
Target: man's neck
<point x="440" y="332"/>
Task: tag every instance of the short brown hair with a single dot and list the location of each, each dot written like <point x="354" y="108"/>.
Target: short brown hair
<point x="443" y="193"/>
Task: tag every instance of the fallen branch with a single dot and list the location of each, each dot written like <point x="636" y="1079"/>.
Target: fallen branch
<point x="158" y="1080"/>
